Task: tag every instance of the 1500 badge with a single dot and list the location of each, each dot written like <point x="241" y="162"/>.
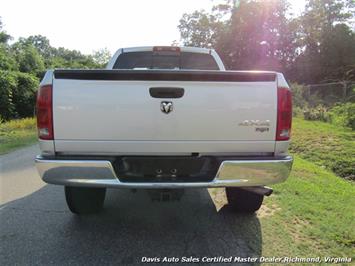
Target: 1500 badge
<point x="260" y="125"/>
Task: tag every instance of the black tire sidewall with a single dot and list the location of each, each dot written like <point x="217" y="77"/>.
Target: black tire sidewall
<point x="83" y="200"/>
<point x="241" y="200"/>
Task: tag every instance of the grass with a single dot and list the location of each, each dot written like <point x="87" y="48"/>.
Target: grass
<point x="17" y="133"/>
<point x="314" y="215"/>
<point x="315" y="209"/>
<point x="327" y="145"/>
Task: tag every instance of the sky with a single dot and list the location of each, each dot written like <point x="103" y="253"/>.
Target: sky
<point x="87" y="25"/>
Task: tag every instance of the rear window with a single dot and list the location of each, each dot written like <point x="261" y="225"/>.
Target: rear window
<point x="165" y="60"/>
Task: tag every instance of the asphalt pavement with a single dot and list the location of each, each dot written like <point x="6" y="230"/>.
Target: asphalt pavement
<point x="36" y="227"/>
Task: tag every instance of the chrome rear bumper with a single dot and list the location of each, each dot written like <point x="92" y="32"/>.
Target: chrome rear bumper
<point x="100" y="173"/>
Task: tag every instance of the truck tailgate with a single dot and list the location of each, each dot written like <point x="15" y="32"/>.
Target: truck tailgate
<point x="112" y="111"/>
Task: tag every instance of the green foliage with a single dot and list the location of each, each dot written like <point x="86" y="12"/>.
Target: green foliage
<point x="343" y="115"/>
<point x="17" y="94"/>
<point x="260" y="36"/>
<point x="326" y="145"/>
<point x="320" y="105"/>
<point x="41" y="43"/>
<point x="4" y="37"/>
<point x="7" y="85"/>
<point x="24" y="94"/>
<point x="252" y="35"/>
<point x="319" y="113"/>
<point x="317" y="46"/>
<point x="326" y="40"/>
<point x="60" y="57"/>
<point x="297" y="111"/>
<point x="28" y="58"/>
<point x="7" y="61"/>
<point x="64" y="58"/>
<point x="312" y="214"/>
<point x="299" y="94"/>
<point x="101" y="57"/>
<point x="201" y="29"/>
<point x="17" y="133"/>
<point x="309" y="105"/>
<point x="312" y="106"/>
<point x="19" y="124"/>
<point x="23" y="63"/>
<point x="338" y="45"/>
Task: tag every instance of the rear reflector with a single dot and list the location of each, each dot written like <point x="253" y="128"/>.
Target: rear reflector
<point x="44" y="113"/>
<point x="284" y="113"/>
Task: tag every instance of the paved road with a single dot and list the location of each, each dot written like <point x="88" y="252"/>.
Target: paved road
<point x="18" y="177"/>
<point x="37" y="228"/>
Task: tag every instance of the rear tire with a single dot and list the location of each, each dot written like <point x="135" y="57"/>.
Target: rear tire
<point x="83" y="200"/>
<point x="243" y="201"/>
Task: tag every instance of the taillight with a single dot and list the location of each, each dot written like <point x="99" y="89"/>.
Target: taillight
<point x="284" y="113"/>
<point x="44" y="112"/>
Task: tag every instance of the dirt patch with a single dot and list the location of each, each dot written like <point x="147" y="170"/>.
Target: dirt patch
<point x="297" y="228"/>
<point x="218" y="196"/>
<point x="266" y="211"/>
<point x="299" y="236"/>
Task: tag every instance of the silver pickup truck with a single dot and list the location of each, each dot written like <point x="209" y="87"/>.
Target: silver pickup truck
<point x="165" y="119"/>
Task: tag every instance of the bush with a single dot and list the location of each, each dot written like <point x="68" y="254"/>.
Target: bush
<point x="299" y="95"/>
<point x="303" y="97"/>
<point x="297" y="111"/>
<point x="343" y="167"/>
<point x="17" y="94"/>
<point x="343" y="115"/>
<point x="7" y="85"/>
<point x="29" y="59"/>
<point x="7" y="62"/>
<point x="24" y="94"/>
<point x="319" y="113"/>
<point x="18" y="124"/>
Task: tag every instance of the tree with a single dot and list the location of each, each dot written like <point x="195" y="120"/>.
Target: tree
<point x="17" y="94"/>
<point x="326" y="41"/>
<point x="72" y="59"/>
<point x="23" y="94"/>
<point x="7" y="84"/>
<point x="259" y="36"/>
<point x="200" y="29"/>
<point x="101" y="57"/>
<point x="23" y="63"/>
<point x="4" y="37"/>
<point x="7" y="61"/>
<point x="249" y="35"/>
<point x="41" y="43"/>
<point x="315" y="47"/>
<point x="337" y="53"/>
<point x="28" y="58"/>
<point x="58" y="57"/>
